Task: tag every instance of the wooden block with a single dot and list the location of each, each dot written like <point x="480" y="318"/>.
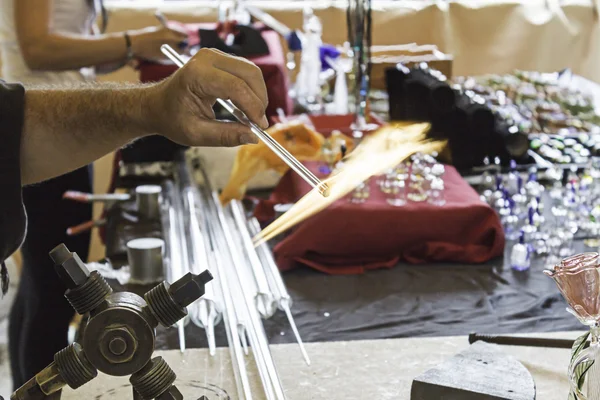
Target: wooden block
<point x="481" y="372"/>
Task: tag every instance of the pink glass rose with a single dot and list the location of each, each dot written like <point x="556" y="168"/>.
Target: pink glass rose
<point x="578" y="279"/>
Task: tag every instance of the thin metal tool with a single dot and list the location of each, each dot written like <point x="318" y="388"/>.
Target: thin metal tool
<point x="265" y="303"/>
<point x="271" y="143"/>
<point x="285" y="300"/>
<point x="523" y="341"/>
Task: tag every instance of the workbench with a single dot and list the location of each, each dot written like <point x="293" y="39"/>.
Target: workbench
<point x="425" y="300"/>
<point x="369" y="369"/>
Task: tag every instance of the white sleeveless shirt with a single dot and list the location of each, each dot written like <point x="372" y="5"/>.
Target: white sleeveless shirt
<point x="69" y="16"/>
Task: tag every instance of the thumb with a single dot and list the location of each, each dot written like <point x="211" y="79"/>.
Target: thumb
<point x="220" y="134"/>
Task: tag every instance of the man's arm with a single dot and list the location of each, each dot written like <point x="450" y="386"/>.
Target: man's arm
<point x="66" y="129"/>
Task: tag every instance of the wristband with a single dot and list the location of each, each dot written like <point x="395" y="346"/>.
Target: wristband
<point x="129" y="47"/>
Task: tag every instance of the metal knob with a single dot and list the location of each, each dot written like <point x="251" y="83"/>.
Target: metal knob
<point x="147" y="198"/>
<point x="145" y="256"/>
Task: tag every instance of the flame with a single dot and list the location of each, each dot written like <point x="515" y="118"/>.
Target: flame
<point x="377" y="153"/>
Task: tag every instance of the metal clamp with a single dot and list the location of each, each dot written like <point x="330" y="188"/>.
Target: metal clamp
<point x="120" y="334"/>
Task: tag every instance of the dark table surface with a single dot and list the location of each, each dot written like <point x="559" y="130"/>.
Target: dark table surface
<point x="405" y="301"/>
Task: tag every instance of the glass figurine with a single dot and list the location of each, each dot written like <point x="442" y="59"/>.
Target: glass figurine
<point x="436" y="192"/>
<point x="511" y="222"/>
<point x="396" y="192"/>
<point x="578" y="279"/>
<point x="308" y="85"/>
<point x="513" y="177"/>
<point x="360" y="194"/>
<point x="529" y="230"/>
<point x="416" y="189"/>
<point x="520" y="255"/>
<point x="487" y="180"/>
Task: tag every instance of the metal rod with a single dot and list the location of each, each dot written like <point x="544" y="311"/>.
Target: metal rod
<point x="285" y="300"/>
<point x="271" y="143"/>
<point x="522" y="341"/>
<point x="264" y="298"/>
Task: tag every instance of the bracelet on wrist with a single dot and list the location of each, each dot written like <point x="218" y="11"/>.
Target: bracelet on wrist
<point x="129" y="47"/>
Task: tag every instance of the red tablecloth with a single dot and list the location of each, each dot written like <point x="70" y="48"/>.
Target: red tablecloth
<point x="272" y="66"/>
<point x="349" y="238"/>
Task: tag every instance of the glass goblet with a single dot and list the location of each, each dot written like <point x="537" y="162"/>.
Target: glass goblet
<point x="360" y="194"/>
<point x="396" y="192"/>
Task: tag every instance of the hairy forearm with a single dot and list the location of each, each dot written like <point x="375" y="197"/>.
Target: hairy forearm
<point x="69" y="128"/>
<point x="57" y="52"/>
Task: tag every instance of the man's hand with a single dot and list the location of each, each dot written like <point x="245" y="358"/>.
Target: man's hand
<point x="65" y="129"/>
<point x="181" y="106"/>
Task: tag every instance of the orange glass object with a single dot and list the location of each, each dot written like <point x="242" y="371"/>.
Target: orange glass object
<point x="301" y="141"/>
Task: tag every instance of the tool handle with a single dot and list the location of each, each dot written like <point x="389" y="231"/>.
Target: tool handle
<point x="84" y="227"/>
<point x="521" y="341"/>
<point x="90" y="197"/>
<point x="77" y="196"/>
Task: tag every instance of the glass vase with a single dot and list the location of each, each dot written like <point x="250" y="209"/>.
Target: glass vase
<point x="578" y="279"/>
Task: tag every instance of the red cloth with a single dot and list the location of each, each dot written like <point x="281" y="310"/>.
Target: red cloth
<point x="272" y="66"/>
<point x="349" y="238"/>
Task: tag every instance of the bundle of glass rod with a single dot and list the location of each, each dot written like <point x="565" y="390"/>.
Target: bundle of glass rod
<point x="249" y="287"/>
<point x="206" y="312"/>
<point x="175" y="258"/>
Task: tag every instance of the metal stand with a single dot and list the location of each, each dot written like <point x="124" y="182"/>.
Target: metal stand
<point x="358" y="17"/>
<point x="120" y="334"/>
